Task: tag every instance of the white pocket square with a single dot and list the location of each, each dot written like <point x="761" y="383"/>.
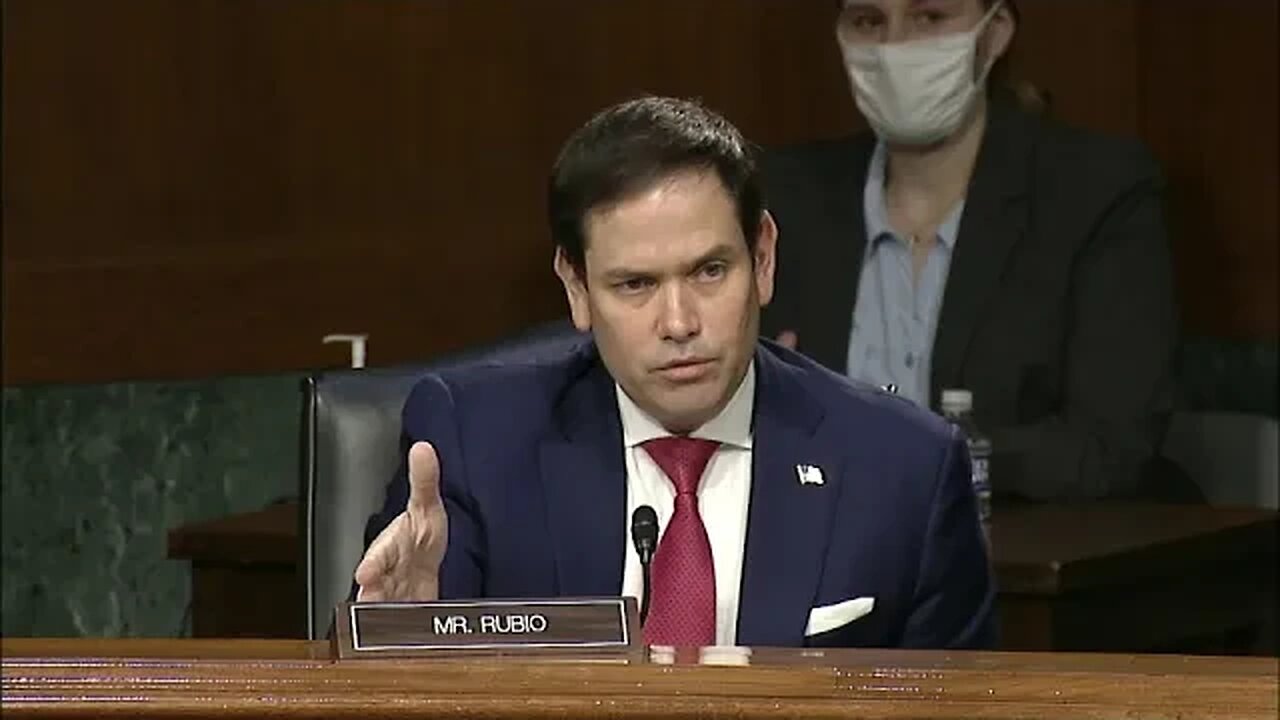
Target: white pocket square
<point x="829" y="617"/>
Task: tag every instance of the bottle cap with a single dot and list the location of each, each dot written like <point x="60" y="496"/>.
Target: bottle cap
<point x="957" y="400"/>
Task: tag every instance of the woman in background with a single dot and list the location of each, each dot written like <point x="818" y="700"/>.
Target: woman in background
<point x="969" y="241"/>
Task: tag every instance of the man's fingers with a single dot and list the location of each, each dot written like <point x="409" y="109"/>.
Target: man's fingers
<point x="370" y="593"/>
<point x="381" y="557"/>
<point x="369" y="571"/>
<point x="424" y="477"/>
<point x="403" y="562"/>
<point x="788" y="339"/>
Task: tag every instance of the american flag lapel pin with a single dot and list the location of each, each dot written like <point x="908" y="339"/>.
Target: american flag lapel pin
<point x="810" y="475"/>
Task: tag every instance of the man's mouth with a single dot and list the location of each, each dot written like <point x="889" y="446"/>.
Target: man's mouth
<point x="686" y="370"/>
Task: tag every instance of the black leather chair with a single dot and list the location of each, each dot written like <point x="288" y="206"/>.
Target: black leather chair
<point x="350" y="450"/>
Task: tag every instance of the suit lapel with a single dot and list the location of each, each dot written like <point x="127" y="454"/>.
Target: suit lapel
<point x="995" y="218"/>
<point x="584" y="478"/>
<point x="789" y="523"/>
<point x="832" y="263"/>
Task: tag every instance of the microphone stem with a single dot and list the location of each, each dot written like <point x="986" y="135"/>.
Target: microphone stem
<point x="644" y="601"/>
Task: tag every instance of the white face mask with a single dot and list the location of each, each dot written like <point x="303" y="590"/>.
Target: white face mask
<point x="917" y="92"/>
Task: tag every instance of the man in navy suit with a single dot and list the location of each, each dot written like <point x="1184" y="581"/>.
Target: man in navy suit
<point x="796" y="508"/>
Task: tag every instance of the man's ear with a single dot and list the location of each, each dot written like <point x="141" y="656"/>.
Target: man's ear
<point x="575" y="289"/>
<point x="766" y="257"/>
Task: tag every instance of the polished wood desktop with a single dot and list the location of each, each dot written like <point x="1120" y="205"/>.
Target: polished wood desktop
<point x="298" y="679"/>
<point x="1105" y="577"/>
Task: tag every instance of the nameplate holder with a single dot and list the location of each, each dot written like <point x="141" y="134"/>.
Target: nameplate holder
<point x="555" y="626"/>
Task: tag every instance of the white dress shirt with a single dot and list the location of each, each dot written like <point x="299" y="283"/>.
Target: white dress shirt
<point x="723" y="495"/>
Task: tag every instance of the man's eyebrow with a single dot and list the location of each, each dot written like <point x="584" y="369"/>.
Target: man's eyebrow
<point x="718" y="252"/>
<point x="623" y="273"/>
<point x="721" y="251"/>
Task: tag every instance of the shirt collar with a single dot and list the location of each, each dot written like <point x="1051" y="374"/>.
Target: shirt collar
<point x="876" y="211"/>
<point x="731" y="426"/>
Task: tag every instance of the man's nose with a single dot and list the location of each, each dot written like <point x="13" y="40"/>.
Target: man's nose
<point x="678" y="319"/>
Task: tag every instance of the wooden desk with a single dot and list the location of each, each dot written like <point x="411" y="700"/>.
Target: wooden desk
<point x="245" y="578"/>
<point x="296" y="679"/>
<point x="1136" y="578"/>
<point x="1123" y="578"/>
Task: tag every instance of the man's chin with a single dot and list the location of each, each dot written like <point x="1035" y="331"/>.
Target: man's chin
<point x="687" y="408"/>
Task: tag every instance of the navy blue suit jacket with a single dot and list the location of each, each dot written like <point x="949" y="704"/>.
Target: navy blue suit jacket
<point x="534" y="483"/>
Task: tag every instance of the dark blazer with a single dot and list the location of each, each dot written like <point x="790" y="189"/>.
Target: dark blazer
<point x="1058" y="312"/>
<point x="534" y="483"/>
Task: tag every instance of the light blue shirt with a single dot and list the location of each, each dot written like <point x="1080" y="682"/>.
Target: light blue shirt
<point x="894" y="318"/>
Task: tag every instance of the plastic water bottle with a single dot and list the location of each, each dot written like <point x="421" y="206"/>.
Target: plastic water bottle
<point x="957" y="407"/>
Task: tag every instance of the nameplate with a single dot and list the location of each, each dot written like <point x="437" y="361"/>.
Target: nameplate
<point x="557" y="626"/>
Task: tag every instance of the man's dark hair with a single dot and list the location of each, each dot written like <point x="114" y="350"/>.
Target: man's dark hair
<point x="630" y="147"/>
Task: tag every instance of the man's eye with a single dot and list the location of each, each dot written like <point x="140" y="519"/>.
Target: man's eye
<point x="713" y="271"/>
<point x="634" y="285"/>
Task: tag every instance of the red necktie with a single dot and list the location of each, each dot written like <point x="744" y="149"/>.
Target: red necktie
<point x="682" y="610"/>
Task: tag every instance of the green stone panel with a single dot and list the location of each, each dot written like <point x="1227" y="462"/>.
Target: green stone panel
<point x="94" y="477"/>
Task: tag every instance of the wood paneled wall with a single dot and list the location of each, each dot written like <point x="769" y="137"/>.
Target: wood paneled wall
<point x="210" y="186"/>
<point x="1207" y="89"/>
<point x="1198" y="83"/>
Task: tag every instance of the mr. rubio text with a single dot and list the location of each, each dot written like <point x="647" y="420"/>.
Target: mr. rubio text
<point x="514" y="624"/>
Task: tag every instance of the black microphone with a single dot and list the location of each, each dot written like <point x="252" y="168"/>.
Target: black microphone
<point x="644" y="533"/>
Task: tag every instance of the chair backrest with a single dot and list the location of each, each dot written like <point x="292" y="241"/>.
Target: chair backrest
<point x="1234" y="457"/>
<point x="350" y="450"/>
